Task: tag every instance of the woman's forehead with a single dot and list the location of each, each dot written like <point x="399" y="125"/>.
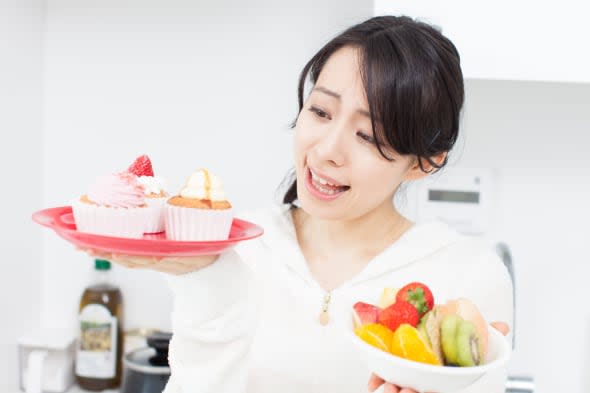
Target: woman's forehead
<point x="342" y="75"/>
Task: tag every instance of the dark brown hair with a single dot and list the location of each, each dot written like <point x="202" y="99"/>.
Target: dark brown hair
<point x="413" y="82"/>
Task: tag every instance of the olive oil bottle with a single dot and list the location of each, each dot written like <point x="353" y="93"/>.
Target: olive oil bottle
<point x="100" y="346"/>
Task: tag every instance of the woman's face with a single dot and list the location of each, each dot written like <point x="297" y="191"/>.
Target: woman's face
<point x="340" y="172"/>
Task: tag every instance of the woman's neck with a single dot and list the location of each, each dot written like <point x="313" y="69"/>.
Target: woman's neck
<point x="366" y="235"/>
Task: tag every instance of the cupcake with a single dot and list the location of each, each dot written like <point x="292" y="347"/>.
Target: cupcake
<point x="200" y="212"/>
<point x="114" y="206"/>
<point x="155" y="195"/>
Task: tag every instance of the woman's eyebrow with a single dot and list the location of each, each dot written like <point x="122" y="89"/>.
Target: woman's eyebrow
<point x="331" y="93"/>
<point x="327" y="91"/>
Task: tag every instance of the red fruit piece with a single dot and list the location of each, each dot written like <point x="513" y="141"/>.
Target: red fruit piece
<point x="365" y="314"/>
<point x="142" y="166"/>
<point x="398" y="313"/>
<point x="418" y="295"/>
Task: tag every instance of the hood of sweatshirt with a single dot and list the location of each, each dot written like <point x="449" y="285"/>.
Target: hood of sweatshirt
<point x="420" y="241"/>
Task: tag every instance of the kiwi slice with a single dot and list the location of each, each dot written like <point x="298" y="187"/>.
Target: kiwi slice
<point x="467" y="345"/>
<point x="448" y="335"/>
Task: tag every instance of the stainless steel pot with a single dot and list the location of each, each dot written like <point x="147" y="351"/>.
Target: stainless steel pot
<point x="146" y="369"/>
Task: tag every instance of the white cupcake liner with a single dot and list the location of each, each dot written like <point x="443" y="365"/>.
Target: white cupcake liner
<point x="155" y="221"/>
<point x="192" y="224"/>
<point x="110" y="221"/>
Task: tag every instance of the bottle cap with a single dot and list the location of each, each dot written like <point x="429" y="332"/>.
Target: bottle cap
<point x="101" y="264"/>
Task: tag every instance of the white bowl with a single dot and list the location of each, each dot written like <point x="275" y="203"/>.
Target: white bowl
<point x="428" y="378"/>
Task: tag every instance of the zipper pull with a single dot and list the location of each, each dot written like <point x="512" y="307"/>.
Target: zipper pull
<point x="324" y="316"/>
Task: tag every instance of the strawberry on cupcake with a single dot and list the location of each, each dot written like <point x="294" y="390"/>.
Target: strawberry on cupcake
<point x="154" y="191"/>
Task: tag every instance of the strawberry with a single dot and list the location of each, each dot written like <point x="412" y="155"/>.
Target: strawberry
<point x="365" y="314"/>
<point x="398" y="313"/>
<point x="417" y="294"/>
<point x="142" y="166"/>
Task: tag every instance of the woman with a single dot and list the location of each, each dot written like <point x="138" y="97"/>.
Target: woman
<point x="269" y="315"/>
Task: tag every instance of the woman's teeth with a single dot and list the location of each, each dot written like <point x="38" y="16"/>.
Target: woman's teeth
<point x="324" y="190"/>
<point x="321" y="181"/>
<point x="324" y="186"/>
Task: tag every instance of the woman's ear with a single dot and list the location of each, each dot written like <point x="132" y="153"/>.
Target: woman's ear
<point x="416" y="173"/>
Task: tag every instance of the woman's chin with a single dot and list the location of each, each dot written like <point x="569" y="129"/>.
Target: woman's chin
<point x="323" y="210"/>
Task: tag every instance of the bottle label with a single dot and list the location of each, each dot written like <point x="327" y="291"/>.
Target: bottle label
<point x="96" y="355"/>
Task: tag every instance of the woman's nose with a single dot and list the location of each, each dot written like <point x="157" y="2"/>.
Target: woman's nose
<point x="331" y="146"/>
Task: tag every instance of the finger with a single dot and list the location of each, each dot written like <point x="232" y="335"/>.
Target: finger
<point x="375" y="382"/>
<point x="187" y="264"/>
<point x="407" y="390"/>
<point x="97" y="254"/>
<point x="199" y="261"/>
<point x="502" y="327"/>
<point x="133" y="262"/>
<point x="138" y="261"/>
<point x="172" y="268"/>
<point x="126" y="264"/>
<point x="121" y="259"/>
<point x="195" y="265"/>
<point x="389" y="388"/>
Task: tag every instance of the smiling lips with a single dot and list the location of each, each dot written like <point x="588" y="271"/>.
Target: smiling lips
<point x="324" y="188"/>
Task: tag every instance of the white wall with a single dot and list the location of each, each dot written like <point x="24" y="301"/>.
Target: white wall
<point x="21" y="163"/>
<point x="535" y="136"/>
<point x="191" y="84"/>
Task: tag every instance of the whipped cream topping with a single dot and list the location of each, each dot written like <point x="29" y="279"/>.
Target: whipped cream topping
<point x="203" y="185"/>
<point x="152" y="184"/>
<point x="117" y="190"/>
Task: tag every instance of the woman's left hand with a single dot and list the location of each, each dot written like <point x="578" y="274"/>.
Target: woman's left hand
<point x="375" y="381"/>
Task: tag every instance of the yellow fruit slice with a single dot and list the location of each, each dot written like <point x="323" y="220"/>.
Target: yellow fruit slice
<point x="409" y="344"/>
<point x="387" y="297"/>
<point x="376" y="335"/>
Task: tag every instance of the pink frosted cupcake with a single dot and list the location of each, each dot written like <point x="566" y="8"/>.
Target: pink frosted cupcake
<point x="114" y="206"/>
<point x="200" y="212"/>
<point x="155" y="195"/>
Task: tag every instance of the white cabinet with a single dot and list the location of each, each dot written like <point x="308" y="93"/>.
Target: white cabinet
<point x="515" y="40"/>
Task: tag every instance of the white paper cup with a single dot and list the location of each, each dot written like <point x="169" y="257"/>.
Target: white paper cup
<point x="155" y="220"/>
<point x="110" y="221"/>
<point x="193" y="224"/>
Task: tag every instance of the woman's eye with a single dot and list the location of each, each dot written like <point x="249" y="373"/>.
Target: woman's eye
<point x="319" y="112"/>
<point x="365" y="137"/>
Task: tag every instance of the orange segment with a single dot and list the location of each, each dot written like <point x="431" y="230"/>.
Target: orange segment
<point x="376" y="335"/>
<point x="409" y="344"/>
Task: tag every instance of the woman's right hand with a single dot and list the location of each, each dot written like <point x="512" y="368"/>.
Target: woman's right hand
<point x="170" y="265"/>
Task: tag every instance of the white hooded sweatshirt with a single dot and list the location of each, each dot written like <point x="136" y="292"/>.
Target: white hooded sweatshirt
<point x="249" y="323"/>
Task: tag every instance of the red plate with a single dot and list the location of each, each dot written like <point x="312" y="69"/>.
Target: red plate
<point x="61" y="220"/>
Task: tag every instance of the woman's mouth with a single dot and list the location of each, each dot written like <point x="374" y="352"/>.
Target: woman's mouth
<point x="325" y="189"/>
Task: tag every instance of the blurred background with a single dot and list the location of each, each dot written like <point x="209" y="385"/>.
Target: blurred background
<point x="86" y="86"/>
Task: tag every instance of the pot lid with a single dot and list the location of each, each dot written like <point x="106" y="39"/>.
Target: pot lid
<point x="151" y="360"/>
<point x="140" y="360"/>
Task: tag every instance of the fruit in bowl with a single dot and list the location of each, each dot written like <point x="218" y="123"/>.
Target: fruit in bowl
<point x="416" y="343"/>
